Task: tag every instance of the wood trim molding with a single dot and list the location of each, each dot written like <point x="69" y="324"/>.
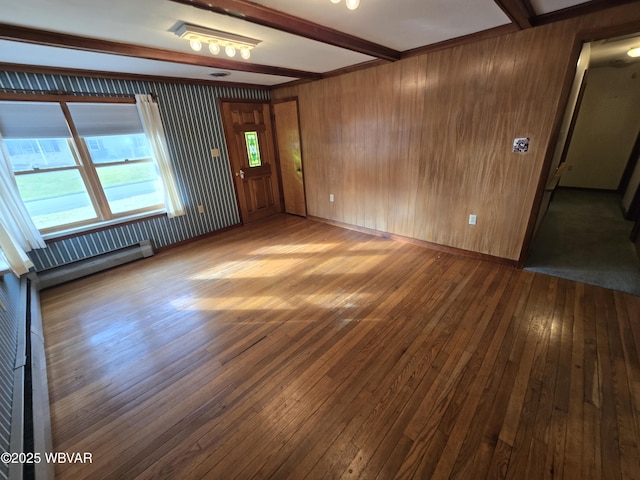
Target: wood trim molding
<point x="454" y="42"/>
<point x="465" y="39"/>
<point x="354" y="68"/>
<point x="608" y="32"/>
<point x="63" y="97"/>
<point x="631" y="166"/>
<point x="261" y="15"/>
<point x="54" y="39"/>
<point x="519" y="12"/>
<point x="548" y="158"/>
<point x="577" y="11"/>
<point x="74" y="72"/>
<point x="415" y="241"/>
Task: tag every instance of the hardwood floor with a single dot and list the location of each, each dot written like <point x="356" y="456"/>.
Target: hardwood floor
<point x="294" y="349"/>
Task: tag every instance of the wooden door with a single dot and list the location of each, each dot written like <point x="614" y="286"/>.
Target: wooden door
<point x="247" y="128"/>
<point x="290" y="154"/>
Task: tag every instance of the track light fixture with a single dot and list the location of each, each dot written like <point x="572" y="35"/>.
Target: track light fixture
<point x="216" y="40"/>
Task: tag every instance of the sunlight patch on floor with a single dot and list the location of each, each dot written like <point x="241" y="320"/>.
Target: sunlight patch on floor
<point x="246" y="269"/>
<point x="250" y="302"/>
<point x="271" y="303"/>
<point x="297" y="248"/>
<point x="334" y="264"/>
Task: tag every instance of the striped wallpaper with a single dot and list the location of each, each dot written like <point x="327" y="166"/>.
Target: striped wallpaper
<point x="193" y="124"/>
<point x="9" y="318"/>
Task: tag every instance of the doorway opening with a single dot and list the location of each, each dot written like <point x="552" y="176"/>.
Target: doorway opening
<point x="585" y="229"/>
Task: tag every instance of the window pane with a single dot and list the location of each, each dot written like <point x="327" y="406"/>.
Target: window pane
<point x="131" y="186"/>
<point x="253" y="150"/>
<point x="55" y="198"/>
<point x="118" y="148"/>
<point x="30" y="154"/>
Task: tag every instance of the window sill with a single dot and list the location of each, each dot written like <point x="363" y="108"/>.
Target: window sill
<point x="98" y="227"/>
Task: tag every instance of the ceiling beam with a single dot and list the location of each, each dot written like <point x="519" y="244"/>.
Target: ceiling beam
<point x="54" y="39"/>
<point x="268" y="17"/>
<point x="519" y="12"/>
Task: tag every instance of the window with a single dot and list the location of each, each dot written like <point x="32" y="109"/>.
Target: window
<point x="103" y="171"/>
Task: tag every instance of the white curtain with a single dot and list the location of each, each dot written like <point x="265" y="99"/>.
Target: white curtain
<point x="150" y="117"/>
<point x="18" y="234"/>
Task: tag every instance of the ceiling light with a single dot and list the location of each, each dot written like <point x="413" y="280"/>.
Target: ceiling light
<point x="351" y="4"/>
<point x="634" y="52"/>
<point x="217" y="40"/>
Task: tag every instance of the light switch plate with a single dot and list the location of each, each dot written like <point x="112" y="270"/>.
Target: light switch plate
<point x="521" y="145"/>
<point x="215" y="153"/>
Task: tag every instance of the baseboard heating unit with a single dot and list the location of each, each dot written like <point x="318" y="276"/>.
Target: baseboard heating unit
<point x="82" y="268"/>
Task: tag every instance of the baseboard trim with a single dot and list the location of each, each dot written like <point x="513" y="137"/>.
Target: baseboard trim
<point x="586" y="189"/>
<point x="421" y="243"/>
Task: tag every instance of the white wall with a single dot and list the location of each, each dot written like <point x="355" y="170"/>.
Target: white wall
<point x="606" y="128"/>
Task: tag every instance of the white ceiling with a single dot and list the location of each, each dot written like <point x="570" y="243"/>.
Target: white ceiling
<point x="399" y="25"/>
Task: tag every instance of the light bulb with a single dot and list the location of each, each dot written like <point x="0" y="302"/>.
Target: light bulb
<point x="634" y="52"/>
<point x="352" y="4"/>
<point x="230" y="51"/>
<point x="245" y="53"/>
<point x="195" y="44"/>
<point x="214" y="48"/>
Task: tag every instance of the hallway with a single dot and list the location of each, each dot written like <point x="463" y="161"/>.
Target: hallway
<point x="585" y="238"/>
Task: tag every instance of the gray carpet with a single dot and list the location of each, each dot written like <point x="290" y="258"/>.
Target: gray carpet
<point x="585" y="238"/>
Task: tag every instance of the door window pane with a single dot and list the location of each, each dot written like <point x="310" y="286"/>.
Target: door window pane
<point x="253" y="149"/>
<point x="55" y="198"/>
<point x="131" y="186"/>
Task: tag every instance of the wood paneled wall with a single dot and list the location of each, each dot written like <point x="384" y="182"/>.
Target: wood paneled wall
<point x="414" y="147"/>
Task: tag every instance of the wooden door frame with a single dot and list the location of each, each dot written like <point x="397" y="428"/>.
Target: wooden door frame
<point x="580" y="38"/>
<point x="631" y="166"/>
<point x="230" y="161"/>
<point x="275" y="129"/>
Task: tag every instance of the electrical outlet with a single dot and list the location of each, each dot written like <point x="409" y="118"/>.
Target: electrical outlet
<point x="215" y="153"/>
<point x="472" y="219"/>
<point x="201" y="209"/>
<point x="331" y="197"/>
